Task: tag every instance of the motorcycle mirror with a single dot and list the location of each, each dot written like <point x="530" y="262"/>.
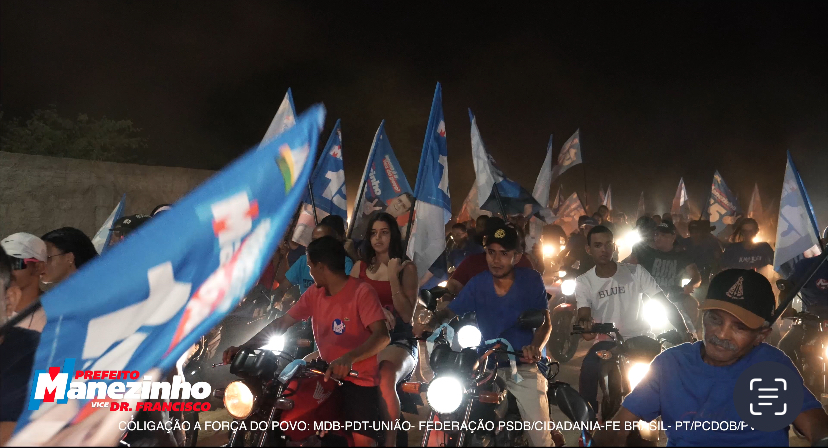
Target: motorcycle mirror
<point x="531" y="319"/>
<point x="571" y="403"/>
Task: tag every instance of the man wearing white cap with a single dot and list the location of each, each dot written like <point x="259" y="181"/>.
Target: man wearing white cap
<point x="28" y="257"/>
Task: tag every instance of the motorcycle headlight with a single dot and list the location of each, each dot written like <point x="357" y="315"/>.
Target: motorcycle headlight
<point x="548" y="250"/>
<point x="561" y="274"/>
<point x="826" y="353"/>
<point x="655" y="315"/>
<point x="568" y="287"/>
<point x="443" y="284"/>
<point x="469" y="336"/>
<point x="238" y="400"/>
<point x="445" y="394"/>
<point x="636" y="373"/>
<point x="275" y="344"/>
<point x="685" y="282"/>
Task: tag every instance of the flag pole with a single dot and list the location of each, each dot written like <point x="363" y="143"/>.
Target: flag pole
<point x="313" y="203"/>
<point x="410" y="223"/>
<point x="499" y="201"/>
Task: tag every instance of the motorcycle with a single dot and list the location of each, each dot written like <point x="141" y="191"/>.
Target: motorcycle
<point x="625" y="366"/>
<point x="812" y="359"/>
<point x="280" y="398"/>
<point x="562" y="346"/>
<point x="464" y="390"/>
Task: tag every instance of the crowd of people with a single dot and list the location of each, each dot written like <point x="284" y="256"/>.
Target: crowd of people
<point x="362" y="296"/>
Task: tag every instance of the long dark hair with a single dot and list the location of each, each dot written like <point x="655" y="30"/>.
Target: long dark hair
<point x="72" y="240"/>
<point x="737" y="229"/>
<point x="395" y="246"/>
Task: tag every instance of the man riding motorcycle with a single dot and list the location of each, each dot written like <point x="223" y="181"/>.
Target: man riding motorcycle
<point x="696" y="382"/>
<point x="498" y="297"/>
<point x="349" y="329"/>
<point x="612" y="292"/>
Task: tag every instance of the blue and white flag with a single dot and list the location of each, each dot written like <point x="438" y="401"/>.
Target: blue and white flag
<point x="607" y="202"/>
<point x="559" y="200"/>
<point x="601" y="194"/>
<point x="541" y="194"/>
<point x="680" y="207"/>
<point x="721" y="206"/>
<point x="285" y="118"/>
<point x="568" y="214"/>
<point x="101" y="238"/>
<point x="143" y="303"/>
<point x="514" y="199"/>
<point x="383" y="188"/>
<point x="570" y="155"/>
<point x="797" y="233"/>
<point x="433" y="209"/>
<point x="328" y="182"/>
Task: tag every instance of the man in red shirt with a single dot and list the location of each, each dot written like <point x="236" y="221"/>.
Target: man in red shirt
<point x="349" y="329"/>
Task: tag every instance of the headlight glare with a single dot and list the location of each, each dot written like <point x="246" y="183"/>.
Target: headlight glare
<point x="568" y="287"/>
<point x="445" y="394"/>
<point x="238" y="400"/>
<point x="469" y="336"/>
<point x="275" y="343"/>
<point x="636" y="373"/>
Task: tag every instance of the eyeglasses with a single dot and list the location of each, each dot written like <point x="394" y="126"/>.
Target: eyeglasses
<point x="55" y="255"/>
<point x="19" y="264"/>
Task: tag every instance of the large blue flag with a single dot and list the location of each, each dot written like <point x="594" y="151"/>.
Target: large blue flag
<point x="721" y="206"/>
<point x="142" y="304"/>
<point x="101" y="238"/>
<point x="433" y="208"/>
<point x="797" y="233"/>
<point x="328" y="182"/>
<point x="383" y="188"/>
<point x="514" y="199"/>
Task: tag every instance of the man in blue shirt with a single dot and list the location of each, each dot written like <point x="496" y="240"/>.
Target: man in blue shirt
<point x="693" y="383"/>
<point x="463" y="245"/>
<point x="299" y="273"/>
<point x="498" y="297"/>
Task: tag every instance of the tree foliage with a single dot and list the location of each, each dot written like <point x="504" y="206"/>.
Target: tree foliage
<point x="47" y="133"/>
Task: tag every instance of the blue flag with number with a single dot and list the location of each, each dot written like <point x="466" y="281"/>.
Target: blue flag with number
<point x="433" y="208"/>
<point x="142" y="304"/>
<point x="721" y="206"/>
<point x="383" y="188"/>
<point x="797" y="233"/>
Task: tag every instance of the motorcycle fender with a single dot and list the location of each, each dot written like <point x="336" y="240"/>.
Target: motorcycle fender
<point x="311" y="403"/>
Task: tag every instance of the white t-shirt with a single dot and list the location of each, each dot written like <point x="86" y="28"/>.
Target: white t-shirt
<point x="618" y="299"/>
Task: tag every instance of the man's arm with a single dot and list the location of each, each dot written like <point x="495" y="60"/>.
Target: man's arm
<point x="585" y="321"/>
<point x="613" y="437"/>
<point x="695" y="278"/>
<point x="813" y="424"/>
<point x="533" y="352"/>
<point x="454" y="288"/>
<point x="378" y="340"/>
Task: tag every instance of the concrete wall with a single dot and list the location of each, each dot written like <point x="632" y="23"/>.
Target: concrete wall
<point x="39" y="193"/>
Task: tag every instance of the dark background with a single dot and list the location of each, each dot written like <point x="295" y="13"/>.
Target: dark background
<point x="659" y="90"/>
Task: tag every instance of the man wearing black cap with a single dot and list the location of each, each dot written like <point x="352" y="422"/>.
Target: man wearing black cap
<point x="125" y="226"/>
<point x="498" y="297"/>
<point x="670" y="265"/>
<point x="697" y="381"/>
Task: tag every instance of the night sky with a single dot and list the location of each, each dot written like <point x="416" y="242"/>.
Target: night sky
<point x="659" y="90"/>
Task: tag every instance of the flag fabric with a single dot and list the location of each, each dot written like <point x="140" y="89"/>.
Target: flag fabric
<point x="471" y="208"/>
<point x="541" y="194"/>
<point x="601" y="195"/>
<point x="755" y="208"/>
<point x="101" y="238"/>
<point x="559" y="200"/>
<point x="680" y="206"/>
<point x="328" y="182"/>
<point x="513" y="198"/>
<point x="285" y="118"/>
<point x="431" y="190"/>
<point x="143" y="303"/>
<point x="797" y="233"/>
<point x="642" y="206"/>
<point x="607" y="201"/>
<point x="570" y="155"/>
<point x="383" y="188"/>
<point x="722" y="205"/>
<point x="569" y="212"/>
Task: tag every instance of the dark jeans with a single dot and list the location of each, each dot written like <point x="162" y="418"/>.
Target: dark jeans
<point x="591" y="373"/>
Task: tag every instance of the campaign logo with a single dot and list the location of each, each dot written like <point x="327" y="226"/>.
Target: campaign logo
<point x="441" y="129"/>
<point x="338" y="326"/>
<point x="822" y="284"/>
<point x="768" y="396"/>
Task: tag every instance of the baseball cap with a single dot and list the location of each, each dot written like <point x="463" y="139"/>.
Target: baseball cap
<point x="743" y="293"/>
<point x="129" y="223"/>
<point x="25" y="246"/>
<point x="504" y="235"/>
<point x="585" y="220"/>
<point x="666" y="227"/>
